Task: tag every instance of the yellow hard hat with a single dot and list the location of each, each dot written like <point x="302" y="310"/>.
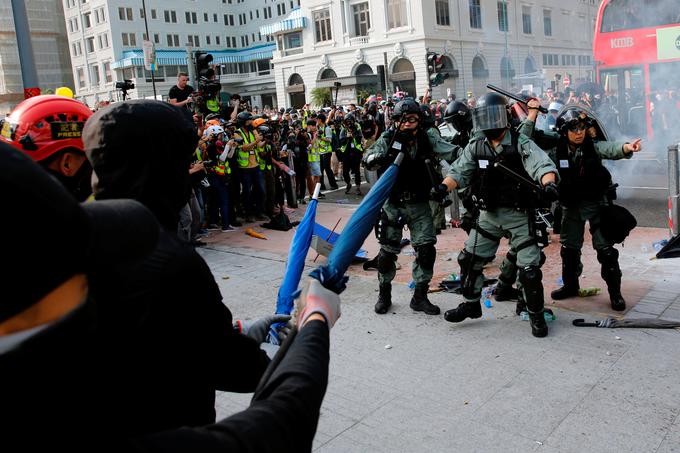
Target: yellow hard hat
<point x="64" y="91"/>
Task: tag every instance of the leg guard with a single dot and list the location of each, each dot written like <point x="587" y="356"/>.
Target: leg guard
<point x="386" y="262"/>
<point x="464" y="261"/>
<point x="611" y="273"/>
<point x="570" y="261"/>
<point x="531" y="278"/>
<point x="425" y="255"/>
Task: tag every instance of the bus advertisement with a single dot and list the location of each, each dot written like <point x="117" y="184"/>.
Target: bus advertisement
<point x="636" y="49"/>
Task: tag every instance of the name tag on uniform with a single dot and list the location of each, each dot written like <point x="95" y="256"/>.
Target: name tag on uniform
<point x="483" y="163"/>
<point x="396" y="145"/>
<point x="564" y="163"/>
<point x="251" y="153"/>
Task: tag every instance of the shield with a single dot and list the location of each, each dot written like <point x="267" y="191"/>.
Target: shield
<point x="643" y="323"/>
<point x="359" y="226"/>
<point x="602" y="134"/>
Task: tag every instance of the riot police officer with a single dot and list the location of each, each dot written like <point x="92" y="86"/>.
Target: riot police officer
<point x="503" y="205"/>
<point x="408" y="203"/>
<point x="585" y="187"/>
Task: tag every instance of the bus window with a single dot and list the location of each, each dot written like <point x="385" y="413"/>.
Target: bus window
<point x="629" y="14"/>
<point x="624" y="103"/>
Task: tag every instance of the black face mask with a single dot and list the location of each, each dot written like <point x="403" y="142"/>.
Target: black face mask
<point x="80" y="184"/>
<point x="493" y="134"/>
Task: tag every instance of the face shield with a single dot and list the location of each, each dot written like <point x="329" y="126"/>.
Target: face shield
<point x="489" y="117"/>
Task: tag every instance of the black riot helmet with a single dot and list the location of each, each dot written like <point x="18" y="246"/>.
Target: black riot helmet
<point x="405" y="107"/>
<point x="427" y="116"/>
<point x="458" y="115"/>
<point x="491" y="112"/>
<point x="569" y="118"/>
<point x="242" y="118"/>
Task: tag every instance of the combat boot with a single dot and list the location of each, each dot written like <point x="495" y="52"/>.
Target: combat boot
<point x="420" y="302"/>
<point x="504" y="292"/>
<point x="465" y="310"/>
<point x="521" y="304"/>
<point x="570" y="262"/>
<point x="611" y="274"/>
<point x="539" y="328"/>
<point x="384" y="299"/>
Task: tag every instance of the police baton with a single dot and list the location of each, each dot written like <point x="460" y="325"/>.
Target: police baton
<point x="513" y="96"/>
<point x="433" y="180"/>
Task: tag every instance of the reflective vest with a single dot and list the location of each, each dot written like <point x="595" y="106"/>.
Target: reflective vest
<point x="242" y="156"/>
<point x="265" y="163"/>
<point x="212" y="104"/>
<point x="325" y="147"/>
<point x="314" y="151"/>
<point x="355" y="144"/>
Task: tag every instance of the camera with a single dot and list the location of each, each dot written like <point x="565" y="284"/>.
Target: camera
<point x="238" y="140"/>
<point x="125" y="85"/>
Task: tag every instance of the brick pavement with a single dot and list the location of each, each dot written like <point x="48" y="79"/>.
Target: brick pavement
<point x="485" y="385"/>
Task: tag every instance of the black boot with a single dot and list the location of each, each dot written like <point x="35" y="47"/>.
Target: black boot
<point x="465" y="310"/>
<point x="611" y="273"/>
<point x="420" y="302"/>
<point x="539" y="328"/>
<point x="570" y="262"/>
<point x="504" y="292"/>
<point x="384" y="299"/>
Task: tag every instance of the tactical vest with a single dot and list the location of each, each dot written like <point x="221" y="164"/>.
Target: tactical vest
<point x="413" y="184"/>
<point x="242" y="156"/>
<point x="492" y="189"/>
<point x="582" y="175"/>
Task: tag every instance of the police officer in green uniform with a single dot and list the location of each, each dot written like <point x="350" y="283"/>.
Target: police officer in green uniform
<point x="584" y="187"/>
<point x="503" y="205"/>
<point x="408" y="203"/>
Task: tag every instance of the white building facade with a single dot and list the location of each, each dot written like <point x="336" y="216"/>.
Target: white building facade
<point x="529" y="44"/>
<point x="48" y="36"/>
<point x="105" y="40"/>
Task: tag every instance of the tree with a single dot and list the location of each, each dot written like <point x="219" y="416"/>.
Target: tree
<point x="321" y="97"/>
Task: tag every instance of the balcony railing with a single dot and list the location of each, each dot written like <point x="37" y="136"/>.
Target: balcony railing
<point x="225" y="78"/>
<point x="358" y="40"/>
<point x="293" y="51"/>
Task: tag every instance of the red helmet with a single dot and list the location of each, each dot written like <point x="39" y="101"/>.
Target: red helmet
<point x="43" y="125"/>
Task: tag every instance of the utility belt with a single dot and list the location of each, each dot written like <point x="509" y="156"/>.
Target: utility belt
<point x="409" y="197"/>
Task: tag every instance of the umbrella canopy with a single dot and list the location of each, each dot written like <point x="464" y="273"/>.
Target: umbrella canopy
<point x="359" y="226"/>
<point x="670" y="250"/>
<point x="297" y="253"/>
<point x="643" y="323"/>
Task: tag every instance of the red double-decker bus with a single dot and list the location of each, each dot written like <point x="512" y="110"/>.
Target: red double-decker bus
<point x="637" y="56"/>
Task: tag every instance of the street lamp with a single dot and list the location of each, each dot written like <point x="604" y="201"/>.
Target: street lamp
<point x="148" y="37"/>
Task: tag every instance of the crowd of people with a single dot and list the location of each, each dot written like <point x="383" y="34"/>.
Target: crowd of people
<point x="114" y="296"/>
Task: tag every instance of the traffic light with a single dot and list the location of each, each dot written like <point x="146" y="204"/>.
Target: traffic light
<point x="435" y="64"/>
<point x="203" y="67"/>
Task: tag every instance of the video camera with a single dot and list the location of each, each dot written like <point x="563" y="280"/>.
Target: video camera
<point x="207" y="89"/>
<point x="124" y="86"/>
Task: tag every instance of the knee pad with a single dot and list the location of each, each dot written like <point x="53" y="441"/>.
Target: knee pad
<point x="386" y="262"/>
<point x="425" y="255"/>
<point x="607" y="255"/>
<point x="531" y="277"/>
<point x="464" y="260"/>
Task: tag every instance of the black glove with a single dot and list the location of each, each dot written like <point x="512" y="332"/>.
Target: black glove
<point x="439" y="193"/>
<point x="550" y="192"/>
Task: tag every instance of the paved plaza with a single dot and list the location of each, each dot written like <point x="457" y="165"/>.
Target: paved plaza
<point x="408" y="382"/>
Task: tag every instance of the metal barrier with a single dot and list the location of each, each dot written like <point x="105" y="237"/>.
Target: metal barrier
<point x="673" y="189"/>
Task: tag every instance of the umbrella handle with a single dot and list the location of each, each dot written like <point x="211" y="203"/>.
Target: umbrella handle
<point x="583" y="323"/>
<point x="317" y="190"/>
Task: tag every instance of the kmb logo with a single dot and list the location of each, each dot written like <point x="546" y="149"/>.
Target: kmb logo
<point x="621" y="42"/>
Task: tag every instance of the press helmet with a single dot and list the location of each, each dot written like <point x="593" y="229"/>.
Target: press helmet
<point x="44" y="125"/>
<point x="243" y="117"/>
<point x="213" y="131"/>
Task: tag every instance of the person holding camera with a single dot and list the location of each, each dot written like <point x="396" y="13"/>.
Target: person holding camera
<point x="248" y="158"/>
<point x="181" y="95"/>
<point x="352" y="150"/>
<point x="585" y="188"/>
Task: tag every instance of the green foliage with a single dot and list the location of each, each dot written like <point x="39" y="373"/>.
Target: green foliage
<point x="321" y="97"/>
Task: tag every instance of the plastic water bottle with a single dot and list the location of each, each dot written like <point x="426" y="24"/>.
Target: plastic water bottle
<point x="485" y="296"/>
<point x="412" y="284"/>
<point x="524" y="316"/>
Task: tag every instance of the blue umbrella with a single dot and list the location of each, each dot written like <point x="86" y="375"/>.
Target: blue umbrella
<point x="359" y="226"/>
<point x="296" y="262"/>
